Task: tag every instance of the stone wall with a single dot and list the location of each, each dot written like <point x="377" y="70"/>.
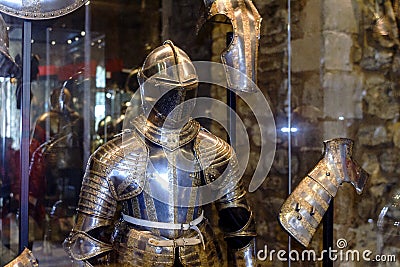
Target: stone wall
<point x="344" y="84"/>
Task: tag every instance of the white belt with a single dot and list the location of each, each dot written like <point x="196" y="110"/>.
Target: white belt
<point x="169" y="226"/>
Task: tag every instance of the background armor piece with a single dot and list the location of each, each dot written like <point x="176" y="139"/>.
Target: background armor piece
<point x="25" y="259"/>
<point x="242" y="53"/>
<point x="302" y="211"/>
<point x="8" y="67"/>
<point x="40" y="9"/>
<point x="138" y="176"/>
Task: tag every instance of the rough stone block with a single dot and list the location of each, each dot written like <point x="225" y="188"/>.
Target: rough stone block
<point x="343" y="95"/>
<point x="340" y="15"/>
<point x="306" y="53"/>
<point x="337" y="48"/>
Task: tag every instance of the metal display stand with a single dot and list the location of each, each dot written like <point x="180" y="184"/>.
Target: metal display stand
<point x="327" y="235"/>
<point x="25" y="128"/>
<point x="231" y="102"/>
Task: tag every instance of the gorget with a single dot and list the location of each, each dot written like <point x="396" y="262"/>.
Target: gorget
<point x="170" y="139"/>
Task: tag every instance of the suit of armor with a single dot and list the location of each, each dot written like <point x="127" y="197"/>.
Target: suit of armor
<point x="139" y="203"/>
<point x="56" y="155"/>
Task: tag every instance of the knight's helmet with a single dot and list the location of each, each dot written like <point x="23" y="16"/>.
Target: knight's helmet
<point x="168" y="86"/>
<point x="8" y="67"/>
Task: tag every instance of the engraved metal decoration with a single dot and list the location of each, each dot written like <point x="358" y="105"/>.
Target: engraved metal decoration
<point x="25" y="259"/>
<point x="242" y="53"/>
<point x="40" y="9"/>
<point x="147" y="158"/>
<point x="302" y="211"/>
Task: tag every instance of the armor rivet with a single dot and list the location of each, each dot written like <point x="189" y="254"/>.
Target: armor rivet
<point x="312" y="211"/>
<point x="328" y="173"/>
<point x="297" y="208"/>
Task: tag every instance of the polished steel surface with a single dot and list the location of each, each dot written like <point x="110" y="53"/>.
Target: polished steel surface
<point x="245" y="256"/>
<point x="242" y="53"/>
<point x="303" y="210"/>
<point x="168" y="81"/>
<point x="150" y="176"/>
<point x="40" y="9"/>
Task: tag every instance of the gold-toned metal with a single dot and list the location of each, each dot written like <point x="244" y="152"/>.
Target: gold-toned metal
<point x="167" y="138"/>
<point x="25" y="259"/>
<point x="40" y="9"/>
<point x="140" y="199"/>
<point x="302" y="211"/>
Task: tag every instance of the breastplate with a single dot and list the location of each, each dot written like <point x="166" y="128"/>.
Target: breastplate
<point x="169" y="193"/>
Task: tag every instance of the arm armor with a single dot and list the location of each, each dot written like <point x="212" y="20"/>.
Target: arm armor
<point x="115" y="172"/>
<point x="236" y="218"/>
<point x="303" y="210"/>
<point x="237" y="223"/>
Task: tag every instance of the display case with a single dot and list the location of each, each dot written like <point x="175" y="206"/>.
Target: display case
<point x="326" y="70"/>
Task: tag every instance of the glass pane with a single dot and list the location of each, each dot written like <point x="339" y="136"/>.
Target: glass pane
<point x="67" y="69"/>
<point x="9" y="142"/>
<point x="337" y="77"/>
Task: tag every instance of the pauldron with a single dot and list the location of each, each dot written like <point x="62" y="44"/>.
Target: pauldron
<point x="116" y="171"/>
<point x="302" y="211"/>
<point x="242" y="53"/>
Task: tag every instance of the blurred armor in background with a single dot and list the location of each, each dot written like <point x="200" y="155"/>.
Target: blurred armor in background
<point x="56" y="153"/>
